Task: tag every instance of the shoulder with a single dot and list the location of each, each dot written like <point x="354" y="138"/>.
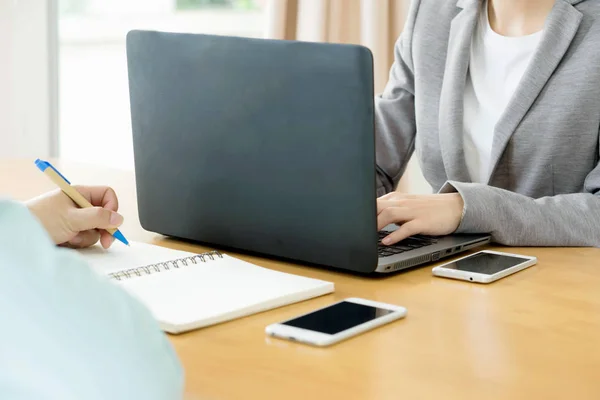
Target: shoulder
<point x="590" y="10"/>
<point x="591" y="7"/>
<point x="432" y="18"/>
<point x="587" y="37"/>
<point x="442" y="9"/>
<point x="435" y="10"/>
<point x="427" y="29"/>
<point x="429" y="21"/>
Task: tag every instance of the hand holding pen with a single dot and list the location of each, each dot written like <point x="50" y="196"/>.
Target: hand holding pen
<point x="77" y="216"/>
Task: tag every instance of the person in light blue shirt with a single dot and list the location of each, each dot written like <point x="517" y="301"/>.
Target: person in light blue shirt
<point x="65" y="332"/>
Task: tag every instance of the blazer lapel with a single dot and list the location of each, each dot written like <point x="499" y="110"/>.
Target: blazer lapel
<point x="453" y="88"/>
<point x="561" y="27"/>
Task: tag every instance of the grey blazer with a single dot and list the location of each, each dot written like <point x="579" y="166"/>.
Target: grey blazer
<point x="544" y="188"/>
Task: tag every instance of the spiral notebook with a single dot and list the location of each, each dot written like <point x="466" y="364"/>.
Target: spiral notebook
<point x="186" y="291"/>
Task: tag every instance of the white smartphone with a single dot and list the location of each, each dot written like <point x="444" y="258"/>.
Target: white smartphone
<point x="484" y="266"/>
<point x="337" y="322"/>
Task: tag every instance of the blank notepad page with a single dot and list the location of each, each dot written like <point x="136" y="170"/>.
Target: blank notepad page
<point x="219" y="290"/>
<point x="186" y="291"/>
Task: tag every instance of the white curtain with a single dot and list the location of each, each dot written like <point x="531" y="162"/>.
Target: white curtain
<point x="373" y="23"/>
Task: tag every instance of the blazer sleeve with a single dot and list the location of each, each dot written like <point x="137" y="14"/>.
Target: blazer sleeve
<point x="395" y="125"/>
<point x="517" y="220"/>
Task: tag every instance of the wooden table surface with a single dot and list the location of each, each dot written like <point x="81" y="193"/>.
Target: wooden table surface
<point x="533" y="335"/>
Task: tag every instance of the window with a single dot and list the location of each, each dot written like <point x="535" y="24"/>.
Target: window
<point x="94" y="116"/>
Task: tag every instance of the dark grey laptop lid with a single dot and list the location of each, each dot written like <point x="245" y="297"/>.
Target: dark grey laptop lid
<point x="260" y="145"/>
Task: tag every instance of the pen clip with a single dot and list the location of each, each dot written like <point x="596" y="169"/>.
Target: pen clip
<point x="42" y="165"/>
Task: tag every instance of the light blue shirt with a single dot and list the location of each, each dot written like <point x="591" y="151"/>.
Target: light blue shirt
<point x="67" y="333"/>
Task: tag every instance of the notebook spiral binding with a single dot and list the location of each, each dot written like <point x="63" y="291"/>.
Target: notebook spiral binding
<point x="165" y="266"/>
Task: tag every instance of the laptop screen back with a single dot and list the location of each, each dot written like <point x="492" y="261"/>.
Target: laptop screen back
<point x="259" y="145"/>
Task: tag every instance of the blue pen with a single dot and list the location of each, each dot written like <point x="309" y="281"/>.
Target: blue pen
<point x="64" y="185"/>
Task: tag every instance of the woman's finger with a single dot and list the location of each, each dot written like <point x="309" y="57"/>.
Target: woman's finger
<point x="106" y="239"/>
<point x="100" y="196"/>
<point x="393" y="215"/>
<point x="85" y="239"/>
<point x="383" y="204"/>
<point x="406" y="230"/>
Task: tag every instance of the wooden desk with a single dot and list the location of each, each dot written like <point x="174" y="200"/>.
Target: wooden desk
<point x="535" y="335"/>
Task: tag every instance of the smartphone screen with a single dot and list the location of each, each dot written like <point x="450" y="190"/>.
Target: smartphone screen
<point x="338" y="317"/>
<point x="486" y="263"/>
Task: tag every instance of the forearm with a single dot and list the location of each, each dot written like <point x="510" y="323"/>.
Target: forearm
<point x="517" y="220"/>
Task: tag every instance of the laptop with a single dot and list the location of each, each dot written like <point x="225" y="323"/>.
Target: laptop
<point x="264" y="146"/>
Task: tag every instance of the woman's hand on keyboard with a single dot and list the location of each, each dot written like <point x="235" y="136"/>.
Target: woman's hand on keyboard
<point x="434" y="214"/>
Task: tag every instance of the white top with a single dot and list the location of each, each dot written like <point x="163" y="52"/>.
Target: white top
<point x="496" y="67"/>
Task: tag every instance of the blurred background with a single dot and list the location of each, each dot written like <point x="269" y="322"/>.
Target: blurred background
<point x="63" y="73"/>
<point x="92" y="62"/>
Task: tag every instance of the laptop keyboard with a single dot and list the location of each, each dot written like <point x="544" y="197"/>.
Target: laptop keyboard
<point x="411" y="243"/>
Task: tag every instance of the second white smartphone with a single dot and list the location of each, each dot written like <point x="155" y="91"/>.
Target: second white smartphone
<point x="337" y="322"/>
<point x="485" y="266"/>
